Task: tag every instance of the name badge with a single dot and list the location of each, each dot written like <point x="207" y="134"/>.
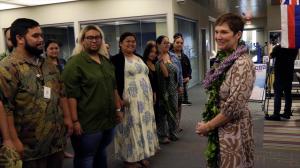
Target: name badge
<point x="47" y="92"/>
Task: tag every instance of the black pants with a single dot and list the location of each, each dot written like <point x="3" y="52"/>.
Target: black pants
<point x="185" y="92"/>
<point x="53" y="161"/>
<point x="286" y="88"/>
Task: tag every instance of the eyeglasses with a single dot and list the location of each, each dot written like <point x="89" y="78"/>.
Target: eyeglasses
<point x="92" y="38"/>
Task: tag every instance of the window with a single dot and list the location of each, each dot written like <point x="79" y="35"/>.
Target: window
<point x="188" y="28"/>
<point x="145" y="29"/>
<point x="64" y="34"/>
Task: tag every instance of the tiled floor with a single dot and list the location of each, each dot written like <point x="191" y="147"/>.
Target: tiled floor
<point x="188" y="151"/>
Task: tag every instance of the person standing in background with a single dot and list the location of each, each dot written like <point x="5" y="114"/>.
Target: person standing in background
<point x="52" y="48"/>
<point x="185" y="64"/>
<point x="8" y="43"/>
<point x="186" y="73"/>
<point x="284" y="72"/>
<point x="169" y="75"/>
<point x="150" y="58"/>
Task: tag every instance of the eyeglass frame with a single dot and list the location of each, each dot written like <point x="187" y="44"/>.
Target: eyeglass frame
<point x="92" y="38"/>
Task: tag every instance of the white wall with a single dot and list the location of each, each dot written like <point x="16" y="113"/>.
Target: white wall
<point x="88" y="10"/>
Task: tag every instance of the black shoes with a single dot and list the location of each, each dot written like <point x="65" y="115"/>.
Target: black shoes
<point x="273" y="117"/>
<point x="277" y="117"/>
<point x="286" y="115"/>
<point x="186" y="103"/>
<point x="174" y="138"/>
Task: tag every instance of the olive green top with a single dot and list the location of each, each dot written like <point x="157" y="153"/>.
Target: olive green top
<point x="92" y="85"/>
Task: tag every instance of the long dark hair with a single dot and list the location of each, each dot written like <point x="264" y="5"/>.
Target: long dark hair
<point x="160" y="39"/>
<point x="147" y="51"/>
<point x="48" y="42"/>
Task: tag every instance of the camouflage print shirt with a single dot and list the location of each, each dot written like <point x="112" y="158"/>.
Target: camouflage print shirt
<point x="38" y="120"/>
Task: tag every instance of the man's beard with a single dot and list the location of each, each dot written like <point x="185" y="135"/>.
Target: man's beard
<point x="33" y="50"/>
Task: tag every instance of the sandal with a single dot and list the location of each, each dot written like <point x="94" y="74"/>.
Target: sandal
<point x="145" y="163"/>
<point x="132" y="165"/>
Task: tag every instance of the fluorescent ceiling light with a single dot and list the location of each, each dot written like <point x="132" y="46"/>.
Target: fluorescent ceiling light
<point x="4" y="6"/>
<point x="38" y="2"/>
<point x="11" y="4"/>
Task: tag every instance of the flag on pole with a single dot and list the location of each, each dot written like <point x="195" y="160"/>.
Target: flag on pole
<point x="290" y="23"/>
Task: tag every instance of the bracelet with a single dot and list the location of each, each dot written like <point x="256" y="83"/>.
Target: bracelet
<point x="75" y="121"/>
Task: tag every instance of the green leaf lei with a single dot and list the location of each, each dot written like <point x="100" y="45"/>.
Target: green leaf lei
<point x="212" y="109"/>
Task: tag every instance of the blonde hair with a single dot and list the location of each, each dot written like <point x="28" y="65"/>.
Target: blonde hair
<point x="79" y="47"/>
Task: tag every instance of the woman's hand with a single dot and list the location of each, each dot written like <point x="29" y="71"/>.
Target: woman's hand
<point x="119" y="116"/>
<point x="180" y="90"/>
<point x="69" y="125"/>
<point x="9" y="143"/>
<point x="77" y="128"/>
<point x="186" y="80"/>
<point x="19" y="147"/>
<point x="126" y="100"/>
<point x="202" y="128"/>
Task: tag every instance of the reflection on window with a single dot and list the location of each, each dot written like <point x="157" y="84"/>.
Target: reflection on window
<point x="188" y="29"/>
<point x="145" y="29"/>
<point x="63" y="34"/>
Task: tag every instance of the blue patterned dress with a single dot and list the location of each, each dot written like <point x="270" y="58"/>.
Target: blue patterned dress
<point x="136" y="137"/>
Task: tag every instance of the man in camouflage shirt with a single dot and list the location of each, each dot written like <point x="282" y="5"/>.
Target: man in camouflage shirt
<point x="32" y="90"/>
<point x="8" y="43"/>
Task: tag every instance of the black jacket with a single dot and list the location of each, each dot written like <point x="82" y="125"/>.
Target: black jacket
<point x="284" y="63"/>
<point x="118" y="61"/>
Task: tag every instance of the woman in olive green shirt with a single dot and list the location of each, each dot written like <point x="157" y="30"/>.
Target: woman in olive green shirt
<point x="91" y="89"/>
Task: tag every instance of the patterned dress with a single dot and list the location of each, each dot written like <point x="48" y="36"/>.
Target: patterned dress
<point x="168" y="101"/>
<point x="236" y="137"/>
<point x="136" y="137"/>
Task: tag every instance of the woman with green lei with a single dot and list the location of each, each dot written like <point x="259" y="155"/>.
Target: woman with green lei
<point x="227" y="119"/>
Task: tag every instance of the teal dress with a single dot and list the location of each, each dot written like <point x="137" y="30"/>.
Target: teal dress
<point x="168" y="100"/>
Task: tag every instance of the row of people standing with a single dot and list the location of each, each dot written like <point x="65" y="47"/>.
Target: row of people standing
<point x="90" y="99"/>
<point x="135" y="136"/>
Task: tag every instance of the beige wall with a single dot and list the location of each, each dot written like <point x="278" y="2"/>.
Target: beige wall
<point x="192" y="10"/>
<point x="89" y="10"/>
<point x="195" y="11"/>
<point x="273" y="19"/>
<point x="257" y="23"/>
<point x="274" y="15"/>
<point x="161" y="29"/>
